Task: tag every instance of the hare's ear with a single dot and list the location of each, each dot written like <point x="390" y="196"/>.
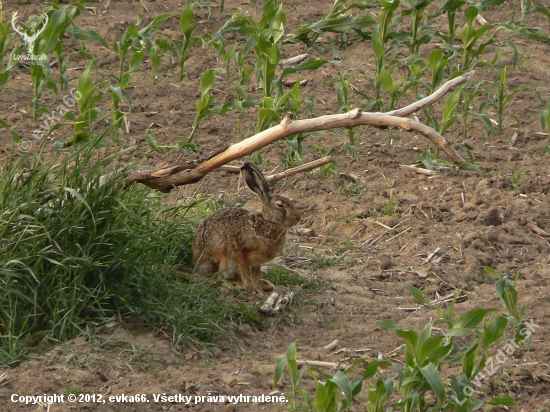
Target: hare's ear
<point x="255" y="180"/>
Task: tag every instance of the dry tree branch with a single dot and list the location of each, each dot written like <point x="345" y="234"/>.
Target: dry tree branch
<point x="289" y="172"/>
<point x="166" y="179"/>
<point x="299" y="169"/>
<point x="439" y="93"/>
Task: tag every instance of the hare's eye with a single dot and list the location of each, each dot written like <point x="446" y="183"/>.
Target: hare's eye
<point x="280" y="204"/>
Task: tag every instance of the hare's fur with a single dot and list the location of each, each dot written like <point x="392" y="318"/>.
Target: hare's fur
<point x="234" y="238"/>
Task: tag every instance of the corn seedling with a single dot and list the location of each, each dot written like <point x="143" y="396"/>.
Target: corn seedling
<point x="338" y="21"/>
<point x="263" y="47"/>
<point x="181" y="48"/>
<point x="295" y="151"/>
<point x="203" y="105"/>
<point x="470" y="36"/>
<point x="421" y="33"/>
<point x="390" y="207"/>
<point x="544" y="115"/>
<point x="426" y="354"/>
<point x="449" y="111"/>
<point x="516" y="176"/>
<point x="326" y="170"/>
<point x="385" y="18"/>
<point x="501" y="97"/>
<point x="54" y="25"/>
<point x="89" y="123"/>
<point x="450" y="8"/>
<point x="468" y="111"/>
<point x="131" y="50"/>
<point x="289" y="362"/>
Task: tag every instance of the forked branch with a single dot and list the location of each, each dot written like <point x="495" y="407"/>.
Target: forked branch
<point x="168" y="178"/>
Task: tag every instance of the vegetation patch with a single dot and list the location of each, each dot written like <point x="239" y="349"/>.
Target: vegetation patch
<point x="80" y="249"/>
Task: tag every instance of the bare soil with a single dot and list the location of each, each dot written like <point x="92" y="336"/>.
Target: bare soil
<point x="470" y="221"/>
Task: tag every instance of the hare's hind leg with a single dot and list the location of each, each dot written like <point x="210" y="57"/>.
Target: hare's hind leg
<point x="245" y="273"/>
<point x="222" y="266"/>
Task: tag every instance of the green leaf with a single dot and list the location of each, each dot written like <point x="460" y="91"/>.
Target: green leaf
<point x="379" y="395"/>
<point x="4" y="77"/>
<point x="279" y="367"/>
<point x="384" y="77"/>
<point x="471" y="167"/>
<point x="489" y="4"/>
<point x="458" y="386"/>
<point x="494" y="330"/>
<point x="151" y="139"/>
<point x="342" y="24"/>
<point x="344" y="384"/>
<point x="136" y="60"/>
<point x="57" y="25"/>
<point x="468" y="31"/>
<point x="84" y="85"/>
<point x="207" y="81"/>
<point x="449" y="109"/>
<point x="159" y="18"/>
<point x="279" y="24"/>
<point x="14" y="135"/>
<point x="292" y="352"/>
<point x="87" y="35"/>
<point x="468" y="321"/>
<point x="437" y="62"/>
<point x="450" y="6"/>
<point x="502" y="400"/>
<point x="189" y="148"/>
<point x="311" y="63"/>
<point x="469" y="359"/>
<point x="418" y="295"/>
<point x="433" y="377"/>
<point x="320" y="395"/>
<point x="388" y="324"/>
<point x="377" y="46"/>
<point x="411" y="338"/>
<point x="373" y="366"/>
<point x="385" y="16"/>
<point x="533" y="33"/>
<point x="148" y="30"/>
<point x="427" y="160"/>
<point x="203" y="105"/>
<point x="427" y="347"/>
<point x="187" y="15"/>
<point x="509" y="298"/>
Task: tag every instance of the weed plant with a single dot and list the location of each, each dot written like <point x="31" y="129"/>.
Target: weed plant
<point x="78" y="250"/>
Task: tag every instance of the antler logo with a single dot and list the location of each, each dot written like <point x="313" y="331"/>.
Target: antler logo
<point x="28" y="41"/>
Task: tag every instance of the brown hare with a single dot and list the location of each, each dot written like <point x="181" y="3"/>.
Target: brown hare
<point x="234" y="238"/>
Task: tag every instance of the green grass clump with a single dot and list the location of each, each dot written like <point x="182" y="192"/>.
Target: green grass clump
<point x="279" y="275"/>
<point x="76" y="252"/>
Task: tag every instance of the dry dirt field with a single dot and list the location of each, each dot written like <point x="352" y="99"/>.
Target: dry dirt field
<point x="469" y="221"/>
